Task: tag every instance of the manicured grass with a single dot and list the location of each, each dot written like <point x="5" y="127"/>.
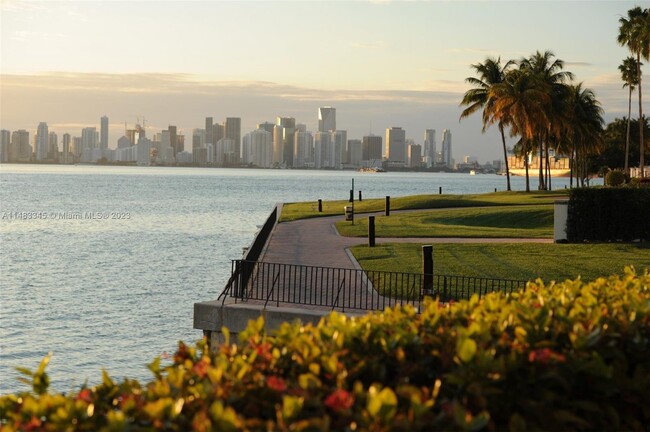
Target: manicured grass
<point x="303" y="210"/>
<point x="523" y="261"/>
<point x="532" y="221"/>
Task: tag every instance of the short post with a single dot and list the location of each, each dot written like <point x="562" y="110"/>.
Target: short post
<point x="427" y="267"/>
<point x="495" y="189"/>
<point x="387" y="210"/>
<point x="440" y="190"/>
<point x="320" y="206"/>
<point x="360" y="196"/>
<point x="371" y="231"/>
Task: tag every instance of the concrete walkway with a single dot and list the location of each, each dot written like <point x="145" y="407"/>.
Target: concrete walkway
<point x="316" y="242"/>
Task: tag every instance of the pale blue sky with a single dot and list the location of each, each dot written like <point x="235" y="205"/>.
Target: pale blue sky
<point x="390" y="63"/>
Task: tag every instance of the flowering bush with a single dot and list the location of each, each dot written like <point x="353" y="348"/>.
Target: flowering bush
<point x="567" y="356"/>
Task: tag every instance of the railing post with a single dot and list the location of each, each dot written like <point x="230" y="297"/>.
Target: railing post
<point x="427" y="266"/>
<point x="371" y="231"/>
<point x="387" y="209"/>
<point x="320" y="206"/>
<point x="360" y="196"/>
<point x="440" y="190"/>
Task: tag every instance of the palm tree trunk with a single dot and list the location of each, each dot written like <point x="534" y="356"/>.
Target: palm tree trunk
<point x="541" y="186"/>
<point x="627" y="138"/>
<point x="505" y="155"/>
<point x="548" y="171"/>
<point x="527" y="176"/>
<point x="641" y="122"/>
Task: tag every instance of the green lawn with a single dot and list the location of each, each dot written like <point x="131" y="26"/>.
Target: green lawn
<point x="523" y="261"/>
<point x="530" y="221"/>
<point x="303" y="210"/>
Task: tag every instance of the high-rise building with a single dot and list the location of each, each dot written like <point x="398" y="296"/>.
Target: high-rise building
<point x="67" y="156"/>
<point x="339" y="143"/>
<point x="103" y="133"/>
<point x="446" y="148"/>
<point x="354" y="152"/>
<point x="396" y="145"/>
<point x="326" y="119"/>
<point x="20" y="149"/>
<point x="322" y="146"/>
<point x="415" y="155"/>
<point x="173" y="140"/>
<point x="5" y="140"/>
<point x="303" y="149"/>
<point x="288" y="125"/>
<point x="371" y="149"/>
<point x="77" y="147"/>
<point x="258" y="148"/>
<point x="267" y="126"/>
<point x="430" y="151"/>
<point x="53" y="146"/>
<point x="42" y="141"/>
<point x="209" y="135"/>
<point x="232" y="131"/>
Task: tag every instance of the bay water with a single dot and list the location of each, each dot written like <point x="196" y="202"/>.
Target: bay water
<point x="101" y="266"/>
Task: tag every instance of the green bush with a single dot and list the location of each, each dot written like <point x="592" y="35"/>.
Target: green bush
<point x="608" y="214"/>
<point x="615" y="178"/>
<point x="571" y="356"/>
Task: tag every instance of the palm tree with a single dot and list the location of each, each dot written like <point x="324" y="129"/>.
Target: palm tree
<point x="552" y="78"/>
<point x="630" y="77"/>
<point x="584" y="127"/>
<point x="490" y="73"/>
<point x="519" y="102"/>
<point x="634" y="32"/>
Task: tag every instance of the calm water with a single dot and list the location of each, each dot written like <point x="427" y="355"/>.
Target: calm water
<point x="115" y="293"/>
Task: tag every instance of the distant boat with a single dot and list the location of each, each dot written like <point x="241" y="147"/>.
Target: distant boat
<point x="372" y="170"/>
<point x="472" y="172"/>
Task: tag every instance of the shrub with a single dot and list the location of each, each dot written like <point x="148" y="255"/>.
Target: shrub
<point x="608" y="214"/>
<point x="615" y="178"/>
<point x="568" y="356"/>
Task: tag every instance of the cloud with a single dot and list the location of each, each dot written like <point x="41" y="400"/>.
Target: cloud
<point x="578" y="64"/>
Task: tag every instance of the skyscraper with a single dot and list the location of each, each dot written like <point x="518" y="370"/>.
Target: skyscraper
<point x="288" y="125"/>
<point x="326" y="119"/>
<point x="339" y="142"/>
<point x="209" y="135"/>
<point x="173" y="140"/>
<point x="430" y="147"/>
<point x="303" y="149"/>
<point x="446" y="148"/>
<point x="67" y="156"/>
<point x="42" y="141"/>
<point x="5" y="140"/>
<point x="396" y="144"/>
<point x="20" y="150"/>
<point x="371" y="149"/>
<point x="103" y="134"/>
<point x="232" y="131"/>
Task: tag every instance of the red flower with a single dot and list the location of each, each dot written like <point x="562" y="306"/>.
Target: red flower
<point x="200" y="368"/>
<point x="544" y="355"/>
<point x="85" y="395"/>
<point x="339" y="400"/>
<point x="276" y="383"/>
<point x="264" y="352"/>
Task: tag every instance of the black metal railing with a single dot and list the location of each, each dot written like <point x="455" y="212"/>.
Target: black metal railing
<point x="339" y="288"/>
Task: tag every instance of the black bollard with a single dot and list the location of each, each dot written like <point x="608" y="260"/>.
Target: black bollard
<point x="371" y="231"/>
<point x="320" y="206"/>
<point x="495" y="189"/>
<point x="440" y="190"/>
<point x="387" y="210"/>
<point x="351" y="195"/>
<point x="360" y="196"/>
<point x="427" y="267"/>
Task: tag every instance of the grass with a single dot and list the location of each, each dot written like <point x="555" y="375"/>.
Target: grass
<point x="523" y="261"/>
<point x="530" y="221"/>
<point x="303" y="210"/>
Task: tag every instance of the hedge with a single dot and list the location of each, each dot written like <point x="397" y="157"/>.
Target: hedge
<point x="609" y="214"/>
<point x="571" y="356"/>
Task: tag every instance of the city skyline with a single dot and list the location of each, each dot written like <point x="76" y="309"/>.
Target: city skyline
<point x="68" y="63"/>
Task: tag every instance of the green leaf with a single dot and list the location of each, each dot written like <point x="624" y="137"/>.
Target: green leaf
<point x="466" y="349"/>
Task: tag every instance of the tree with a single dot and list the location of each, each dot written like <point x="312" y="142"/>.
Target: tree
<point x="552" y="80"/>
<point x="634" y="32"/>
<point x="519" y="102"/>
<point x="630" y="76"/>
<point x="490" y="73"/>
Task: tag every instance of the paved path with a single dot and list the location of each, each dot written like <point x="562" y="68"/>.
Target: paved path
<point x="316" y="242"/>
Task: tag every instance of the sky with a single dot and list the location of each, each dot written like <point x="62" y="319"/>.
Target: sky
<point x="379" y="63"/>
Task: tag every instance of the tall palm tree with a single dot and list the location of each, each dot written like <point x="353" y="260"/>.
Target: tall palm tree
<point x="519" y="102"/>
<point x="634" y="32"/>
<point x="490" y="73"/>
<point x="630" y="77"/>
<point x="552" y="80"/>
<point x="584" y="127"/>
